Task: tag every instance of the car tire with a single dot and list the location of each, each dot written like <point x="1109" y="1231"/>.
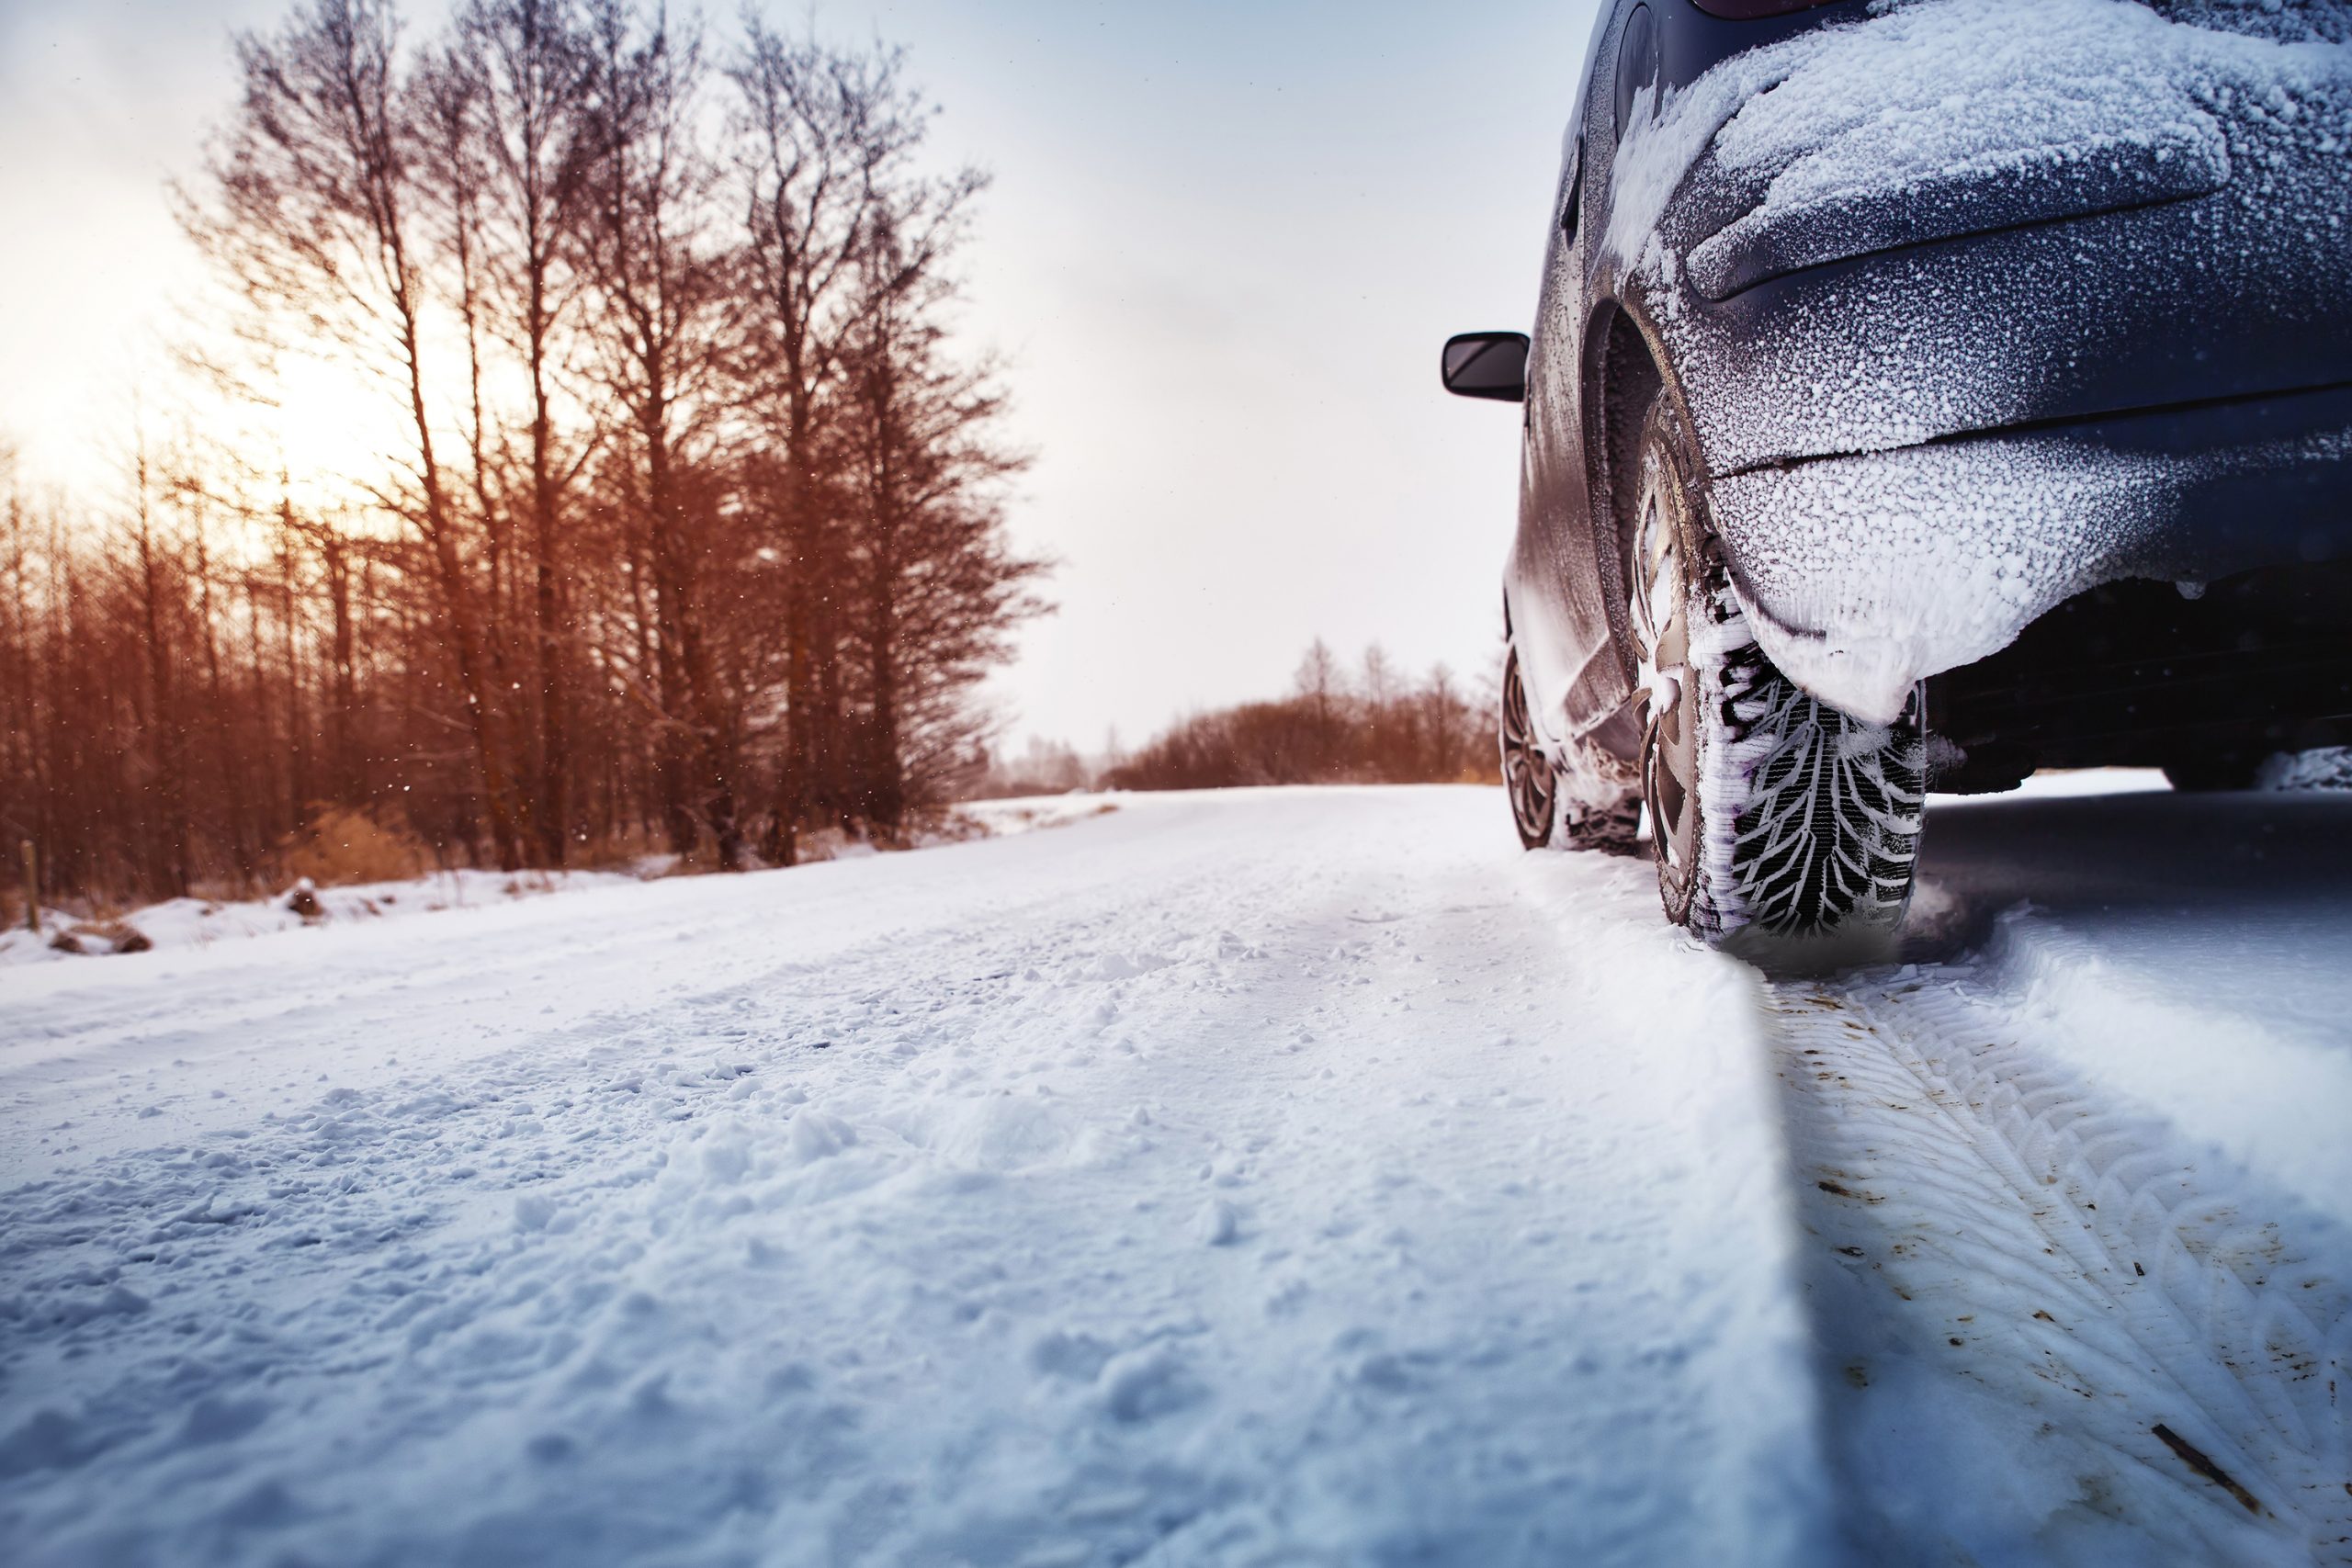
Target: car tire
<point x="1769" y="810"/>
<point x="1585" y="804"/>
<point x="1528" y="779"/>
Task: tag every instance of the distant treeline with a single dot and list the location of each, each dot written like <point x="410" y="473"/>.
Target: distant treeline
<point x="1376" y="726"/>
<point x="691" y="537"/>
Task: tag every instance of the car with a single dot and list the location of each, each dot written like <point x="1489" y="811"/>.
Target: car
<point x="1923" y="392"/>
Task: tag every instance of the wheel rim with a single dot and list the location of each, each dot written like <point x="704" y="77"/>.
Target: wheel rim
<point x="1527" y="773"/>
<point x="1660" y="604"/>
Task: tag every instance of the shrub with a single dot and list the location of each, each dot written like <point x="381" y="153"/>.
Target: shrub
<point x="342" y="846"/>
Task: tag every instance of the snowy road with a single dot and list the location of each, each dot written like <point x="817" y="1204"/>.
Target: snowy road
<point x="2079" y="1192"/>
<point x="1302" y="1176"/>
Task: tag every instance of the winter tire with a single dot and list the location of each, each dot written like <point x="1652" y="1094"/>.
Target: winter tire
<point x="1766" y="808"/>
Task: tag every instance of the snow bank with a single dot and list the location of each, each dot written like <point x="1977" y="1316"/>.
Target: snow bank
<point x="196" y="922"/>
<point x="1026" y="813"/>
<point x="2253" y="1059"/>
<point x="1691" y="1018"/>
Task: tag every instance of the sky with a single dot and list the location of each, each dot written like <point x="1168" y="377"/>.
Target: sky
<point x="1222" y="247"/>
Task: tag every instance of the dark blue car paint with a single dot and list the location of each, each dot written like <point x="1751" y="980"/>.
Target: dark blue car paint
<point x="2172" y="321"/>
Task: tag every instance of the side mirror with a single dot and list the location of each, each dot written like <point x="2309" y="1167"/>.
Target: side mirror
<point x="1486" y="364"/>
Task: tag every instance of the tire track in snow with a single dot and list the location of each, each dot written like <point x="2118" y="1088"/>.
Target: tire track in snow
<point x="2052" y="1331"/>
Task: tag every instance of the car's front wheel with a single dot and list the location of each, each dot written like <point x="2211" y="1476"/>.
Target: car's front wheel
<point x="1767" y="809"/>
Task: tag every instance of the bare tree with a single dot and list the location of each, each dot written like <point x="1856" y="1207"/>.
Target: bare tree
<point x="692" y="500"/>
<point x="313" y="185"/>
<point x="935" y="588"/>
<point x="528" y="63"/>
<point x="1393" y="732"/>
<point x="840" y="228"/>
<point x="664" y="301"/>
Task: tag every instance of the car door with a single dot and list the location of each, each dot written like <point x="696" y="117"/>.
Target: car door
<point x="1555" y="596"/>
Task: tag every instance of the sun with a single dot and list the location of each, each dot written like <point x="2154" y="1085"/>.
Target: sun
<point x="336" y="431"/>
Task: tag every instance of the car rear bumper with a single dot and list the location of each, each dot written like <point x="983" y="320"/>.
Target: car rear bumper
<point x="1864" y="575"/>
<point x="2161" y="214"/>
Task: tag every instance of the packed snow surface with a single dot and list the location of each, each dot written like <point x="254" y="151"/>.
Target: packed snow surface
<point x="2080" y="1192"/>
<point x="1262" y="1176"/>
<point x="1297" y="1177"/>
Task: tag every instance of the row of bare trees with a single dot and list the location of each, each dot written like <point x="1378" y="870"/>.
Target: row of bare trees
<point x="689" y="527"/>
<point x="1377" y="724"/>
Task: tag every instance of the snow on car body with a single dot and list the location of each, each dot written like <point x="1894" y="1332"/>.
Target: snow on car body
<point x="1949" y="313"/>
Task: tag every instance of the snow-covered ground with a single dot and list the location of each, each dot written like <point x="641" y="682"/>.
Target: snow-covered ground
<point x="199" y="923"/>
<point x="2079" y="1182"/>
<point x="1026" y="813"/>
<point x="1285" y="1177"/>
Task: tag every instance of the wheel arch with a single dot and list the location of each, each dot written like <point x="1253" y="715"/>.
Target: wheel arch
<point x="1624" y="369"/>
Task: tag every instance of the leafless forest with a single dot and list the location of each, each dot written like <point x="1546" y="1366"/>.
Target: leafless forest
<point x="689" y="533"/>
<point x="1373" y="725"/>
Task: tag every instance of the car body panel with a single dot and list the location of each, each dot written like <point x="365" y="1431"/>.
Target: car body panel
<point x="1990" y="323"/>
<point x="1564" y="583"/>
<point x="1858" y="615"/>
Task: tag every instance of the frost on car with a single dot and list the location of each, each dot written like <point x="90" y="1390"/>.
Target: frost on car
<point x="1924" y="390"/>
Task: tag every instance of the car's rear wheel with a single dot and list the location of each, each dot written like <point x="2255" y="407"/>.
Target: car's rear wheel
<point x="1527" y="772"/>
<point x="1767" y="809"/>
<point x="1584" y="800"/>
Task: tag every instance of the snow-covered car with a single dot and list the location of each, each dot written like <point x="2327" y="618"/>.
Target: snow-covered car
<point x="2007" y="343"/>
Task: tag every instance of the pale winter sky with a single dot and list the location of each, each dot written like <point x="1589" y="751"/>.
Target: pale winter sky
<point x="1224" y="243"/>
